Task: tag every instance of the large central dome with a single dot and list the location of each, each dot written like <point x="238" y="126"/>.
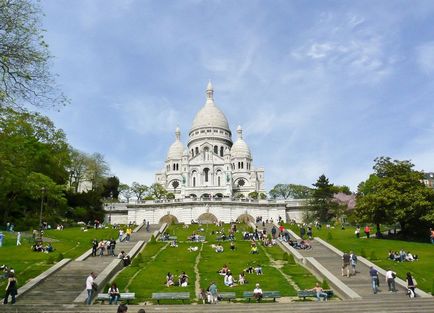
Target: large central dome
<point x="210" y="115"/>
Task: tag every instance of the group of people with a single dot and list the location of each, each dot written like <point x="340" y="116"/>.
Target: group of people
<point x="182" y="280"/>
<point x="39" y="247"/>
<point x="349" y="260"/>
<point x="101" y="246"/>
<point x="402" y="256"/>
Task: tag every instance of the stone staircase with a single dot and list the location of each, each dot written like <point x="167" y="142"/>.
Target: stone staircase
<point x="396" y="305"/>
<point x="66" y="284"/>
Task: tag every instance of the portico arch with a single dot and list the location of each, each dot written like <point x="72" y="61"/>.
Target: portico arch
<point x="207" y="218"/>
<point x="169" y="219"/>
<point x="245" y="218"/>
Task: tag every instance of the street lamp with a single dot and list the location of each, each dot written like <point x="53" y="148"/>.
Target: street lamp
<point x="111" y="207"/>
<point x="40" y="213"/>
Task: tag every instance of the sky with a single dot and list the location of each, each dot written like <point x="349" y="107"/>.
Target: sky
<point x="319" y="87"/>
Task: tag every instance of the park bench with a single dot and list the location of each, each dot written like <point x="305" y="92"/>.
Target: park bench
<point x="126" y="296"/>
<point x="312" y="294"/>
<point x="170" y="238"/>
<point x="226" y="296"/>
<point x="265" y="294"/>
<point x="170" y="296"/>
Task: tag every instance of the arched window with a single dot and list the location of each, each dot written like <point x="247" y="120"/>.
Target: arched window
<point x="192" y="152"/>
<point x="242" y="164"/>
<point x="197" y="150"/>
<point x="173" y="166"/>
<point x="239" y="165"/>
<point x="206" y="172"/>
<point x="216" y="149"/>
<point x="221" y="151"/>
<point x="194" y="181"/>
<point x="177" y="166"/>
<point x="218" y="181"/>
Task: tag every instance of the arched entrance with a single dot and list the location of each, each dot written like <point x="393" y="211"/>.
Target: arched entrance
<point x="245" y="218"/>
<point x="205" y="196"/>
<point x="207" y="218"/>
<point x="169" y="219"/>
<point x="218" y="195"/>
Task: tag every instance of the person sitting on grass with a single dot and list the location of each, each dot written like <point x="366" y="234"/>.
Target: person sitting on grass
<point x="192" y="248"/>
<point x="242" y="279"/>
<point x="258" y="270"/>
<point x="249" y="270"/>
<point x="229" y="280"/>
<point x="173" y="244"/>
<point x="224" y="270"/>
<point x="232" y="246"/>
<point x="169" y="280"/>
<point x="183" y="280"/>
<point x="219" y="248"/>
<point x="257" y="293"/>
<point x="254" y="249"/>
<point x="319" y="292"/>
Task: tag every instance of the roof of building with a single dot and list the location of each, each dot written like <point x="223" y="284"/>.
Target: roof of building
<point x="177" y="148"/>
<point x="210" y="115"/>
<point x="240" y="149"/>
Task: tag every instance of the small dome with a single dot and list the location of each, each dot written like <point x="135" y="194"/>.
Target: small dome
<point x="210" y="115"/>
<point x="240" y="149"/>
<point x="176" y="150"/>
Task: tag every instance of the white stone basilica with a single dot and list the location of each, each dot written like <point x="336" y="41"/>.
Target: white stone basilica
<point x="211" y="166"/>
<point x="211" y="179"/>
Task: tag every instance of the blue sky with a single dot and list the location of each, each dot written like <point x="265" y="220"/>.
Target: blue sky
<point x="318" y="86"/>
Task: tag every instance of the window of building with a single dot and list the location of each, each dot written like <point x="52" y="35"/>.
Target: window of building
<point x="221" y="151"/>
<point x="194" y="181"/>
<point x="241" y="182"/>
<point x="218" y="181"/>
<point x="216" y="149"/>
<point x="197" y="150"/>
<point x="206" y="172"/>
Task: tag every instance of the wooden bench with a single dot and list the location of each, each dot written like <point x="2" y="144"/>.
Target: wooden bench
<point x="226" y="296"/>
<point x="312" y="294"/>
<point x="126" y="296"/>
<point x="265" y="294"/>
<point x="171" y="296"/>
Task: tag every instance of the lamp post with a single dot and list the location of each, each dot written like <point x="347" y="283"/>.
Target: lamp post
<point x="40" y="212"/>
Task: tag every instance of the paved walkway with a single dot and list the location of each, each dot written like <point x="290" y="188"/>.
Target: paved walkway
<point x="66" y="284"/>
<point x="360" y="283"/>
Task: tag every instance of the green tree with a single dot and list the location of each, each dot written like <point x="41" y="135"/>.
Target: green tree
<point x="125" y="191"/>
<point x="253" y="195"/>
<point x="286" y="191"/>
<point x="30" y="147"/>
<point x="97" y="171"/>
<point x="157" y="191"/>
<point x="139" y="190"/>
<point x="344" y="189"/>
<point x="24" y="58"/>
<point x="111" y="188"/>
<point x="321" y="203"/>
<point x="395" y="193"/>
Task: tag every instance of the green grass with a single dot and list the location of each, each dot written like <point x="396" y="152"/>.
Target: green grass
<point x="157" y="259"/>
<point x="72" y="242"/>
<point x="377" y="251"/>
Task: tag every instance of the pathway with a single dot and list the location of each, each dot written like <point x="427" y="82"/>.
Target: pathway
<point x="66" y="284"/>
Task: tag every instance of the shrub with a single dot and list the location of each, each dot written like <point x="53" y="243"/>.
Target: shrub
<point x="60" y="257"/>
<point x="325" y="284"/>
<point x="50" y="259"/>
<point x="363" y="252"/>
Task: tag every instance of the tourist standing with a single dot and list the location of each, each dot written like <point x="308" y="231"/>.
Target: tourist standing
<point x="121" y="234"/>
<point x="390" y="280"/>
<point x="19" y="239"/>
<point x="309" y="232"/>
<point x="128" y="232"/>
<point x="367" y="231"/>
<point x="432" y="235"/>
<point x="374" y="278"/>
<point x="94" y="246"/>
<point x="302" y="232"/>
<point x="357" y="231"/>
<point x="411" y="285"/>
<point x="213" y="292"/>
<point x="346" y="264"/>
<point x="353" y="261"/>
<point x="112" y="246"/>
<point x="11" y="288"/>
<point x="89" y="287"/>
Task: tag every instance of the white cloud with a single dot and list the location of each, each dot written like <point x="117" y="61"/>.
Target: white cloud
<point x="425" y="57"/>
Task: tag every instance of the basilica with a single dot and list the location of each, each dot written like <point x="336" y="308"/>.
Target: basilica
<point x="212" y="165"/>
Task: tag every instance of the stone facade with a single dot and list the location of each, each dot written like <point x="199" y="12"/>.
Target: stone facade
<point x="211" y="166"/>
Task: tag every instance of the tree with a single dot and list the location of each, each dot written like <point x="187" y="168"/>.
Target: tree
<point x="344" y="189"/>
<point x="253" y="195"/>
<point x="395" y="193"/>
<point x="321" y="203"/>
<point x="78" y="168"/>
<point x="30" y="146"/>
<point x="97" y="170"/>
<point x="139" y="190"/>
<point x="157" y="191"/>
<point x="111" y="188"/>
<point x="25" y="76"/>
<point x="125" y="191"/>
<point x="285" y="191"/>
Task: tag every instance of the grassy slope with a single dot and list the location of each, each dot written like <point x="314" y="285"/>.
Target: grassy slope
<point x="28" y="264"/>
<point x="149" y="275"/>
<point x="376" y="250"/>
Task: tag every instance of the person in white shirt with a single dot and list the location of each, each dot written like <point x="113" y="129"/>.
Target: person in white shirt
<point x="257" y="293"/>
<point x="89" y="284"/>
<point x="390" y="280"/>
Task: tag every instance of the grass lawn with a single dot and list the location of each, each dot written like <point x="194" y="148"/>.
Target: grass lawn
<point x="72" y="242"/>
<point x="376" y="250"/>
<point x="148" y="271"/>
